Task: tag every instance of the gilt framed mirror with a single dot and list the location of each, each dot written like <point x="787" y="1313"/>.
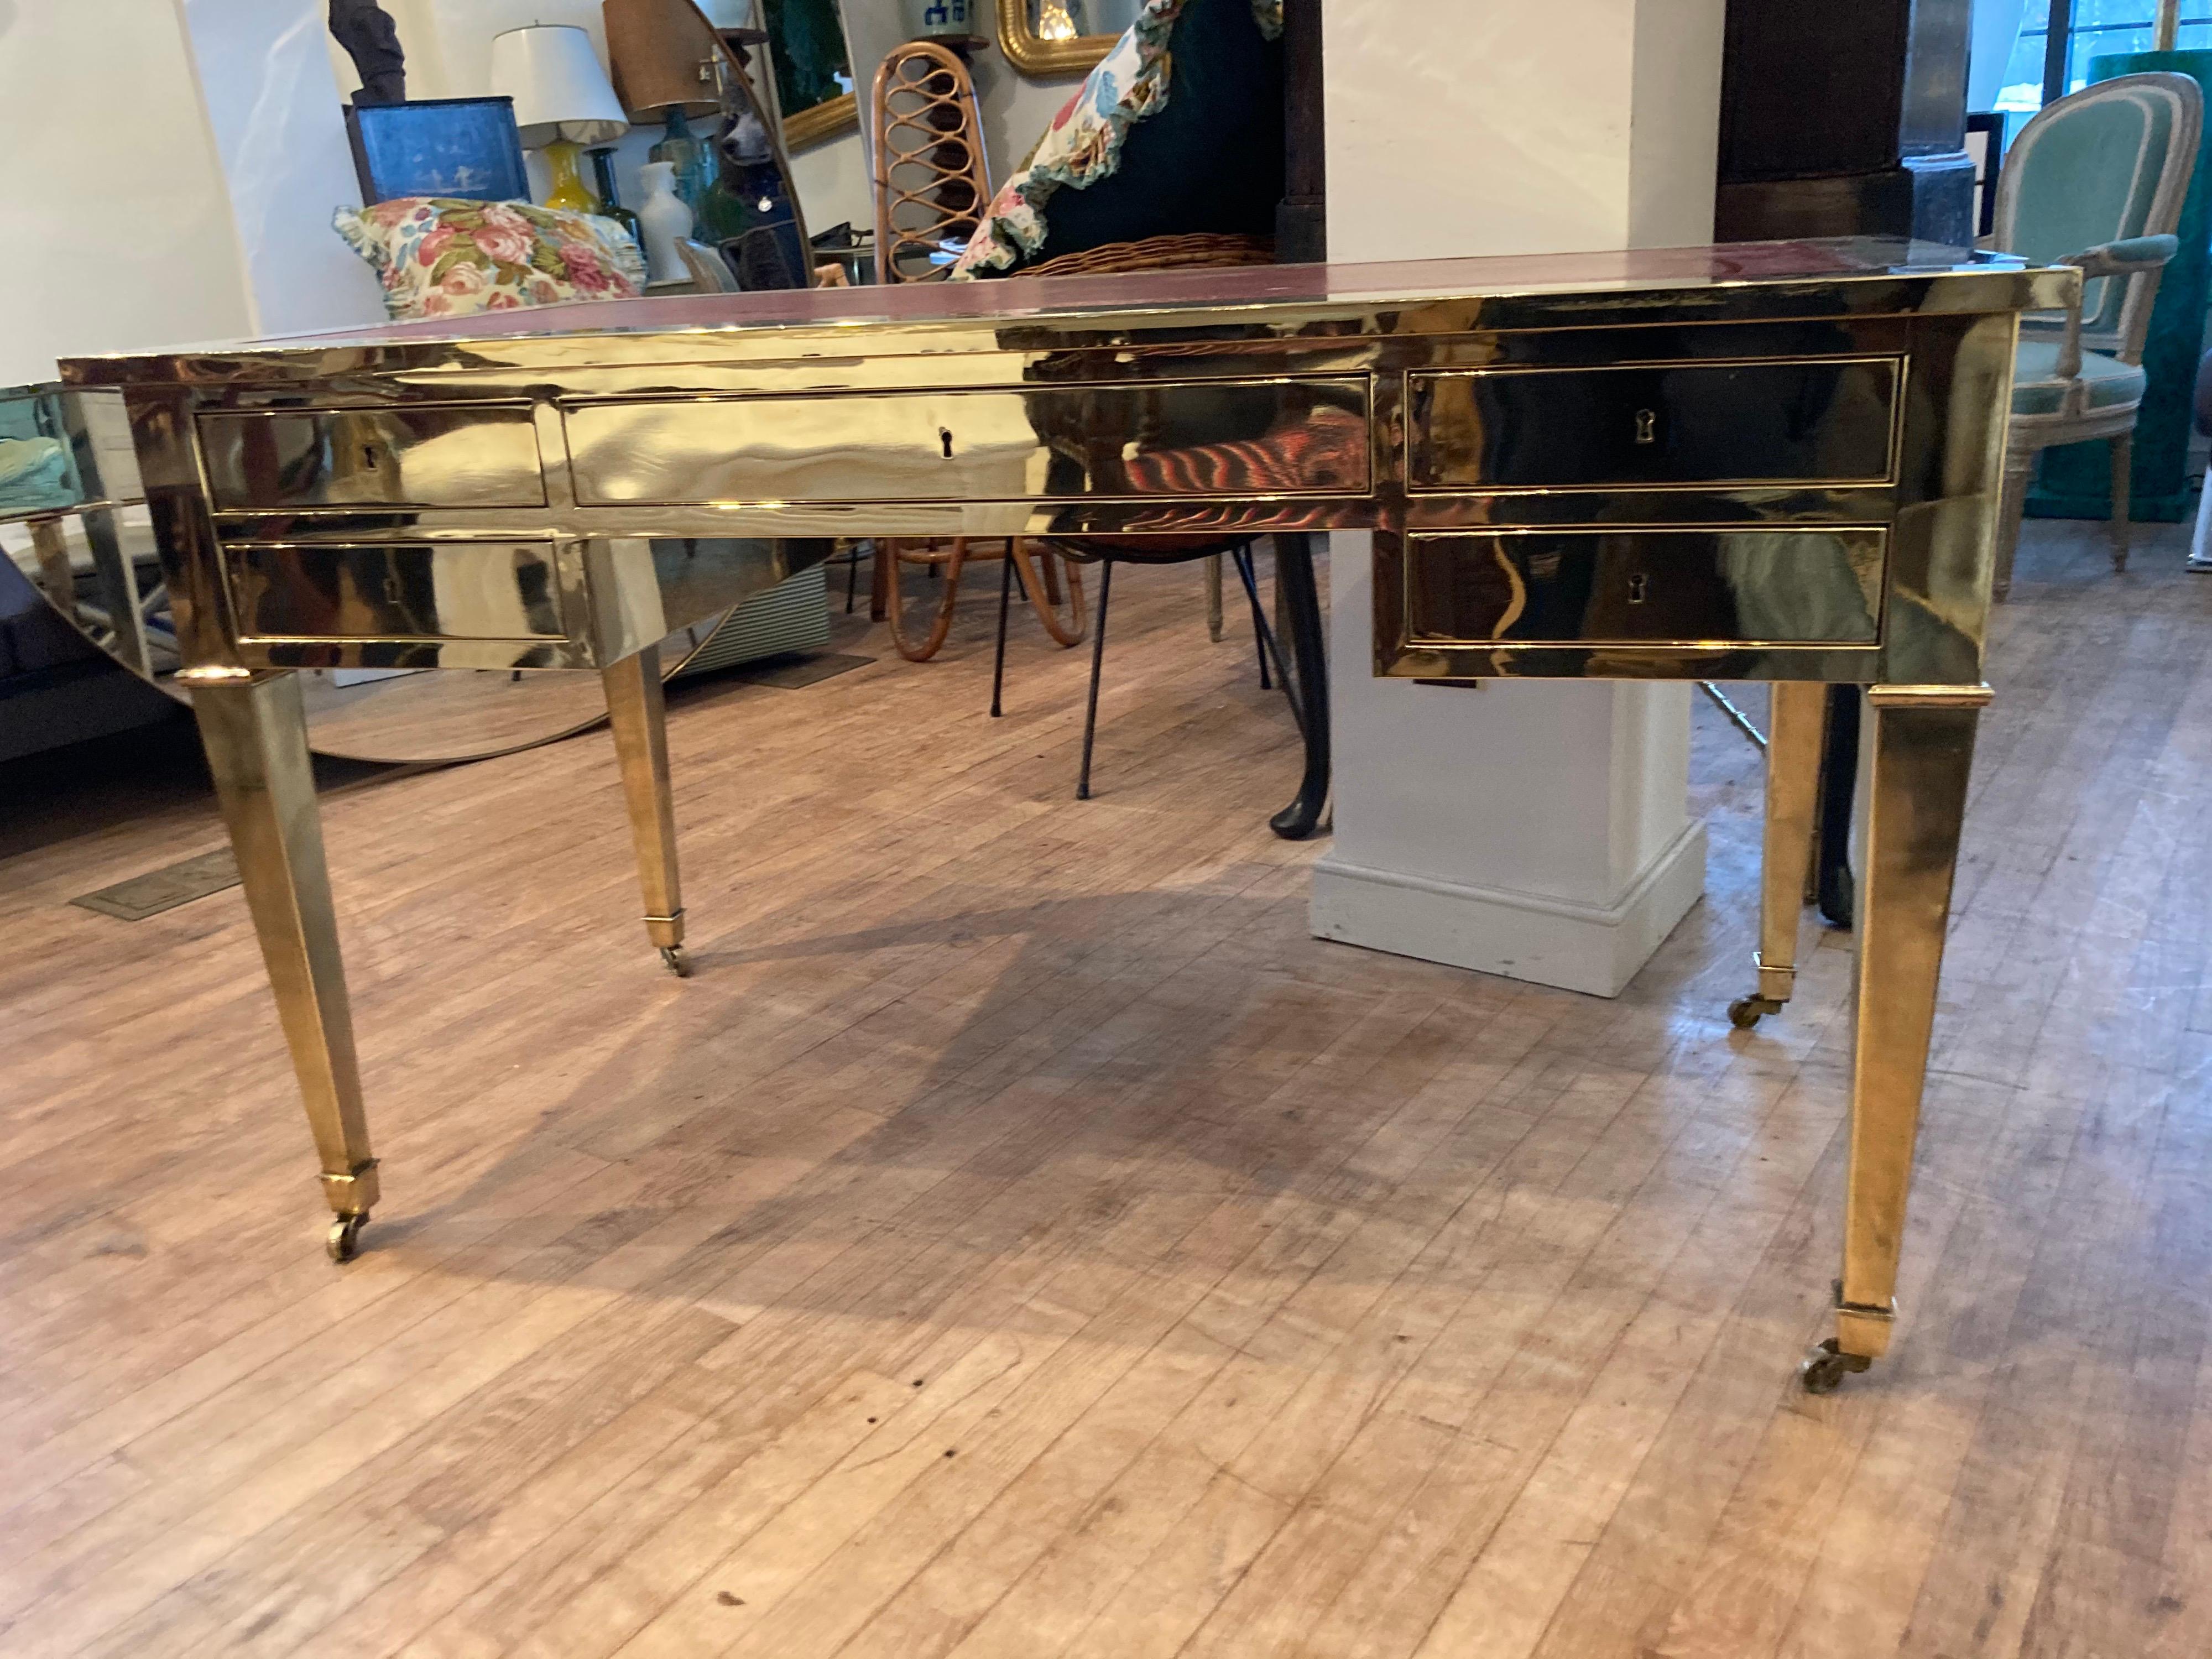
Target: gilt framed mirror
<point x="1049" y="38"/>
<point x="810" y="65"/>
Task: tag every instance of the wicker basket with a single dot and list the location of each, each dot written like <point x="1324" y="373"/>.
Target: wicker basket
<point x="1158" y="253"/>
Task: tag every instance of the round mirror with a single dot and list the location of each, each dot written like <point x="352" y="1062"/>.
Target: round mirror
<point x="70" y="523"/>
<point x="393" y="715"/>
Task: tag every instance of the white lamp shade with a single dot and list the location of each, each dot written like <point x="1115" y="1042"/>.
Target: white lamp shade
<point x="559" y="89"/>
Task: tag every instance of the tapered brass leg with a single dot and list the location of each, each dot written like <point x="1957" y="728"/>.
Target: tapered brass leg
<point x="256" y="737"/>
<point x="1923" y="747"/>
<point x="640" y="720"/>
<point x="2012" y="508"/>
<point x="1793" y="786"/>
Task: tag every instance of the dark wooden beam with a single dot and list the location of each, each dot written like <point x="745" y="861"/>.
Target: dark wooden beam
<point x="1302" y="220"/>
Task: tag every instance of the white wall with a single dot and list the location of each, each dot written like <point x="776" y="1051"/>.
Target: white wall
<point x="114" y="210"/>
<point x="278" y="123"/>
<point x="1535" y="829"/>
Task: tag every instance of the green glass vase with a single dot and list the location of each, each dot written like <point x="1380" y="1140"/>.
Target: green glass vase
<point x="603" y="169"/>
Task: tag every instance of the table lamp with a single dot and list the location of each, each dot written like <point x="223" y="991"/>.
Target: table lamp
<point x="562" y="102"/>
<point x="662" y="52"/>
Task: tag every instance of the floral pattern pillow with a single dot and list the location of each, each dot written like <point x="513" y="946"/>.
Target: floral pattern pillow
<point x="1084" y="143"/>
<point x="440" y="257"/>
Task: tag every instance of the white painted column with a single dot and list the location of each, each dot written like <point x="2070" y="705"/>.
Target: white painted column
<point x="1538" y="830"/>
<point x="278" y="121"/>
<point x="117" y="220"/>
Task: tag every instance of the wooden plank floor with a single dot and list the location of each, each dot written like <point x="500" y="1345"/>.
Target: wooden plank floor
<point x="1021" y="1239"/>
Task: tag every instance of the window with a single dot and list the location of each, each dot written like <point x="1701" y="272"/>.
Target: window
<point x="2088" y="28"/>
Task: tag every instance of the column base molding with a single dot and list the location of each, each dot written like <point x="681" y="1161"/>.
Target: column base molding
<point x="1591" y="948"/>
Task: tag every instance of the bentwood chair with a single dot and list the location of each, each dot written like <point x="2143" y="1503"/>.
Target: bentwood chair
<point x="2095" y="180"/>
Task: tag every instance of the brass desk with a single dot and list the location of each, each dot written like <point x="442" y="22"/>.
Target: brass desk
<point x="1774" y="462"/>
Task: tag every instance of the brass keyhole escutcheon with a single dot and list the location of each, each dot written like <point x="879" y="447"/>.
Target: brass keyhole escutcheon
<point x="1647" y="426"/>
<point x="1638" y="585"/>
<point x="368" y="456"/>
<point x="944" y="437"/>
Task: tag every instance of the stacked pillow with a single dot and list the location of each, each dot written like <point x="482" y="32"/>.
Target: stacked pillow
<point x="443" y="256"/>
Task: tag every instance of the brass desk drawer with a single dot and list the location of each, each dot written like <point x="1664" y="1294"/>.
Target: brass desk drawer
<point x="1118" y="441"/>
<point x="408" y="590"/>
<point x="1787" y="585"/>
<point x="427" y="455"/>
<point x="1654" y="425"/>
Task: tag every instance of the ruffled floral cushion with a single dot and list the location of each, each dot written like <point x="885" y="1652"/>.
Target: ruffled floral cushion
<point x="1083" y="144"/>
<point x="440" y="257"/>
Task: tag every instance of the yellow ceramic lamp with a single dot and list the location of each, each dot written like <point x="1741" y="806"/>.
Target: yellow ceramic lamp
<point x="563" y="102"/>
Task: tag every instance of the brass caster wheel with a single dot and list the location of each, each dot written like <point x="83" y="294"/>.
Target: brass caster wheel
<point x="344" y="1242"/>
<point x="1746" y="1011"/>
<point x="1828" y="1365"/>
<point x="673" y="959"/>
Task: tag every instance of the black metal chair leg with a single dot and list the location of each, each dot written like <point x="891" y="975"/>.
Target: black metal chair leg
<point x="1097" y="654"/>
<point x="999" y="658"/>
<point x="1241" y="556"/>
<point x="1839" y="779"/>
<point x="1270" y="646"/>
<point x="852" y="576"/>
<point x="1294" y="573"/>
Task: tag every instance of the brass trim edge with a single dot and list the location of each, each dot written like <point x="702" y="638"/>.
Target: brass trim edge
<point x="1930" y="697"/>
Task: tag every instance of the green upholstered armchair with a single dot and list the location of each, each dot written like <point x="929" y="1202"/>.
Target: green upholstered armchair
<point x="2095" y="180"/>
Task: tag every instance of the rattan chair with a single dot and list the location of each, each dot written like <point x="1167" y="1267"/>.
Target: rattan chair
<point x="931" y="184"/>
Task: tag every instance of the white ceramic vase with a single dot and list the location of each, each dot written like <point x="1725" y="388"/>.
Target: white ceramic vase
<point x="665" y="222"/>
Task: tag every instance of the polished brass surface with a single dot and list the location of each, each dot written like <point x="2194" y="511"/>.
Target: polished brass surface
<point x="1794" y="475"/>
<point x="1923" y="742"/>
<point x="1702" y="590"/>
<point x="1795" y="729"/>
<point x="1018" y="444"/>
<point x="638" y="720"/>
<point x="1654" y="425"/>
<point x="472" y="455"/>
<point x="398" y="592"/>
<point x="256" y="737"/>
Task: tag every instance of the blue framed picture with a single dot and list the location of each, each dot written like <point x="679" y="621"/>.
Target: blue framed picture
<point x="462" y="147"/>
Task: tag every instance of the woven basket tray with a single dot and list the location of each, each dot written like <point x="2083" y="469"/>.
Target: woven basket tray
<point x="1158" y="253"/>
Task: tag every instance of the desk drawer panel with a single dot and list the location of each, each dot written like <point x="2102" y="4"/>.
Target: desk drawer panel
<point x="433" y="455"/>
<point x="1787" y="585"/>
<point x="399" y="590"/>
<point x="1291" y="436"/>
<point x="1655" y="425"/>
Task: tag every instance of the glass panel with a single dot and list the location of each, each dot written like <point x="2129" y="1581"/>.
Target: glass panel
<point x="2022" y="91"/>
